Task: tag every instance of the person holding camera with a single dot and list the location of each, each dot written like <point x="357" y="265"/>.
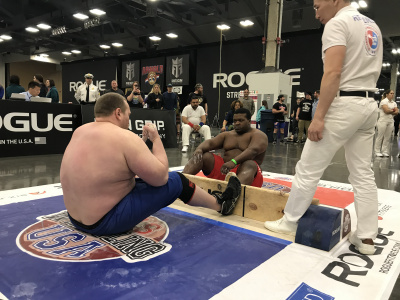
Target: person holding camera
<point x="135" y="97"/>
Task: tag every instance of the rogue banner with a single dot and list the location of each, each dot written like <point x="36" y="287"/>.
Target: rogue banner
<point x="28" y="128"/>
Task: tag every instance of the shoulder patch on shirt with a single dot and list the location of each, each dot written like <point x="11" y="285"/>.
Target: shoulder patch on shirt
<point x="371" y="41"/>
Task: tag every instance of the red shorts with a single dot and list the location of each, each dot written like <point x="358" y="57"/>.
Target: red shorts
<point x="216" y="172"/>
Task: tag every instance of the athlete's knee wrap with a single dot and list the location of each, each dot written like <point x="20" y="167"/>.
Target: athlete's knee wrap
<point x="188" y="189"/>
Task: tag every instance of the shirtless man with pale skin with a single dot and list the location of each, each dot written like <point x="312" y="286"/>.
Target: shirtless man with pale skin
<point x="98" y="172"/>
<point x="244" y="152"/>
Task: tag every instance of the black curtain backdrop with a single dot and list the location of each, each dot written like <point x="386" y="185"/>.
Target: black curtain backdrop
<point x="300" y="56"/>
<point x="104" y="71"/>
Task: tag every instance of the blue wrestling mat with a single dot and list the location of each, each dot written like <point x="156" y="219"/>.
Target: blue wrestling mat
<point x="173" y="255"/>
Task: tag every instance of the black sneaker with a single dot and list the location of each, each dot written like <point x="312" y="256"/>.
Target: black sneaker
<point x="229" y="197"/>
<point x="282" y="141"/>
<point x="274" y="142"/>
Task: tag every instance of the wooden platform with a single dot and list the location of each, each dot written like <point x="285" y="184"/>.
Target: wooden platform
<point x="254" y="203"/>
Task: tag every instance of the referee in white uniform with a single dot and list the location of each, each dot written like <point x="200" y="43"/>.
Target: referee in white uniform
<point x="87" y="92"/>
<point x="346" y="116"/>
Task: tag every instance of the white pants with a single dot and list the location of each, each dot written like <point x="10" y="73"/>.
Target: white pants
<point x="349" y="122"/>
<point x="187" y="130"/>
<point x="385" y="129"/>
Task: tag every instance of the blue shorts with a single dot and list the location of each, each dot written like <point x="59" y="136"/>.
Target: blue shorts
<point x="280" y="125"/>
<point x="143" y="201"/>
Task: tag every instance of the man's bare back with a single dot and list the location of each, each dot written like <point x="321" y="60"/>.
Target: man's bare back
<point x="98" y="174"/>
<point x="94" y="171"/>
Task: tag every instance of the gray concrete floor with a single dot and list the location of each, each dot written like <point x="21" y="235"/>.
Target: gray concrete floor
<point x="26" y="171"/>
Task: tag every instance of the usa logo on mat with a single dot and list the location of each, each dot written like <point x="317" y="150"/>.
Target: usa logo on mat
<point x="55" y="238"/>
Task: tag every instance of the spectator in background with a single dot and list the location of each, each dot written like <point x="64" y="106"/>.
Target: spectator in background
<point x="304" y="116"/>
<point x="52" y="93"/>
<point x="264" y="106"/>
<point x="155" y="99"/>
<point x="193" y="119"/>
<point x="87" y="92"/>
<point x="314" y="106"/>
<point x="227" y="125"/>
<point x="33" y="90"/>
<point x="248" y="102"/>
<point x="39" y="79"/>
<point x="295" y="123"/>
<point x="171" y="103"/>
<point x="198" y="94"/>
<point x="115" y="89"/>
<point x="135" y="98"/>
<point x="14" y="87"/>
<point x="387" y="110"/>
<point x="170" y="99"/>
<point x="396" y="118"/>
<point x="279" y="109"/>
<point x="1" y="91"/>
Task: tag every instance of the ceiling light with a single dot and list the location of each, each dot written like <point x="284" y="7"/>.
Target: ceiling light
<point x="398" y="50"/>
<point x="76" y="51"/>
<point x="66" y="53"/>
<point x="1" y="40"/>
<point x="117" y="44"/>
<point x="394" y="51"/>
<point x="31" y="29"/>
<point x="363" y="4"/>
<point x="355" y="4"/>
<point x="80" y="16"/>
<point x="223" y="27"/>
<point x="44" y="55"/>
<point x="43" y="26"/>
<point x="105" y="46"/>
<point x="155" y="38"/>
<point x="5" y="37"/>
<point x="59" y="30"/>
<point x="97" y="12"/>
<point x="171" y="35"/>
<point x="246" y="23"/>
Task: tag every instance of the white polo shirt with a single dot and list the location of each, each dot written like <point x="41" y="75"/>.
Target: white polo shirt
<point x="193" y="116"/>
<point x="390" y="105"/>
<point x="364" y="52"/>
